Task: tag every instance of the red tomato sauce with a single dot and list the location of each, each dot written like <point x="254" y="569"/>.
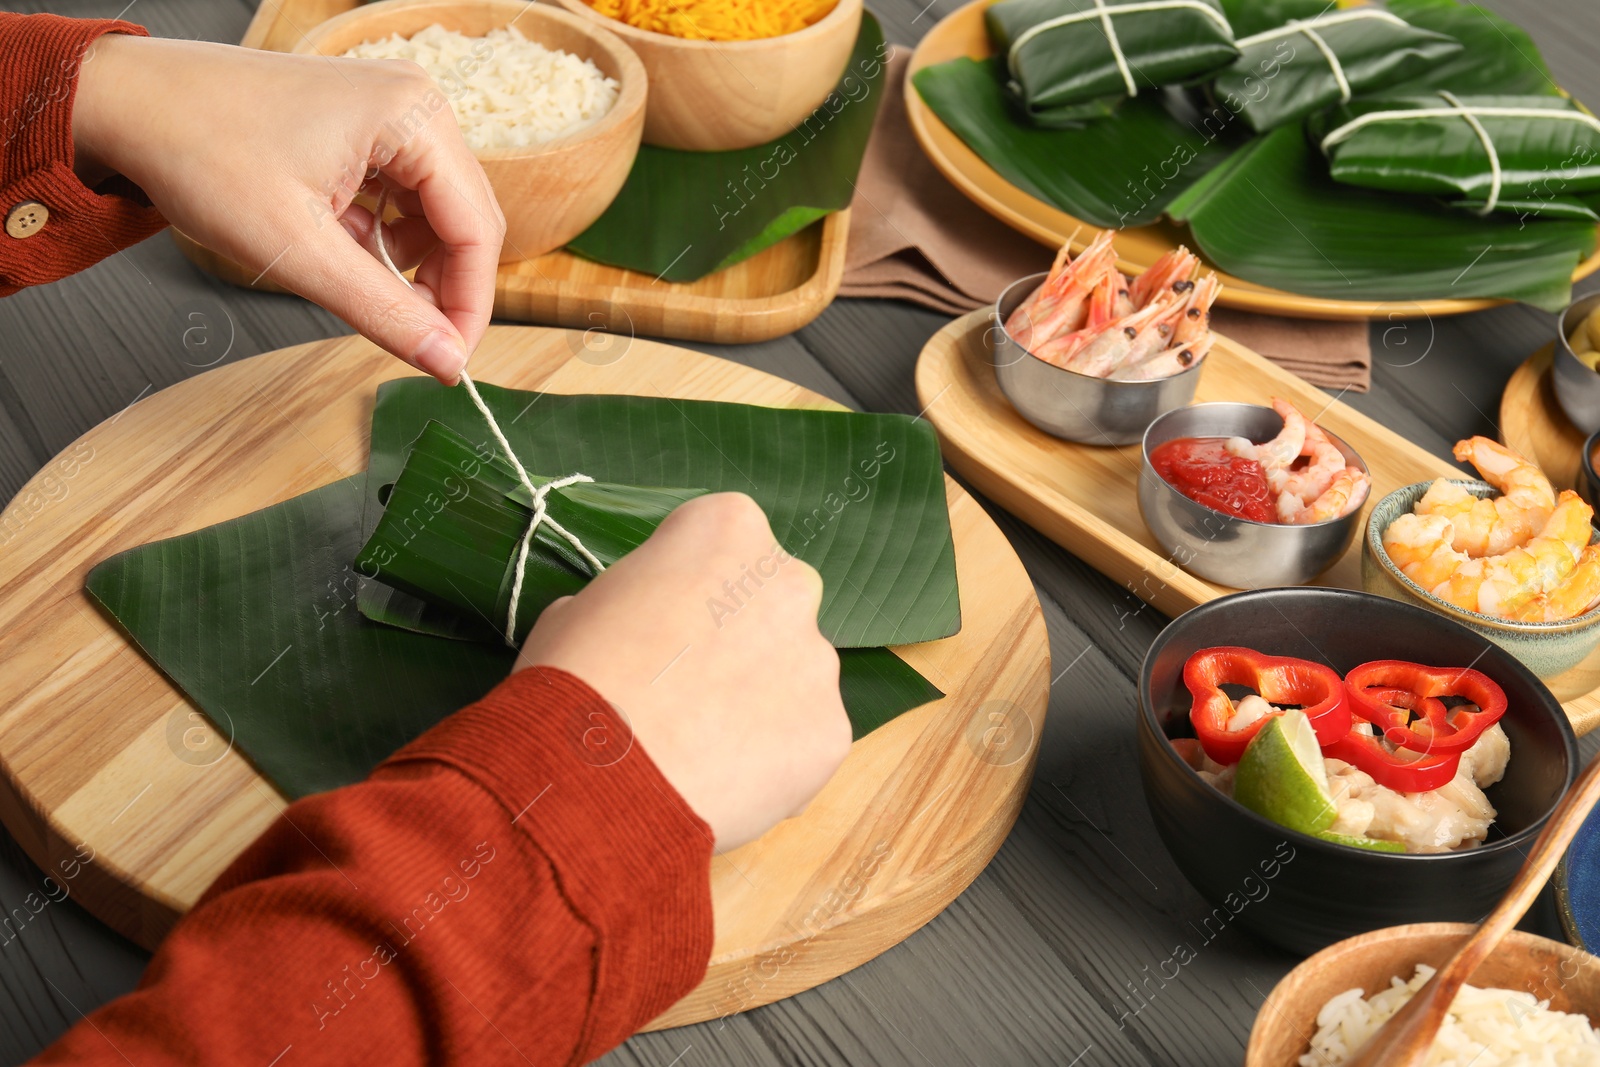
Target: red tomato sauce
<point x="1206" y="472"/>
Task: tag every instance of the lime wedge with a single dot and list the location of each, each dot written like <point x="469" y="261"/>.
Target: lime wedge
<point x="1282" y="776"/>
<point x="1371" y="843"/>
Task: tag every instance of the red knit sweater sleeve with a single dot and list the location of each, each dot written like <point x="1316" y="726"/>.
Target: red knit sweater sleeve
<point x="506" y="889"/>
<point x="38" y="81"/>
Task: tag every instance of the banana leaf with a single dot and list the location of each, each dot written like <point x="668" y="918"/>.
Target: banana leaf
<point x="1282" y="75"/>
<point x="683" y="215"/>
<point x="454" y="520"/>
<point x="1062" y="66"/>
<point x="860" y="497"/>
<point x="1121" y="172"/>
<point x="1273" y="213"/>
<point x="1497" y="55"/>
<point x="1252" y="16"/>
<point x="1553" y="207"/>
<point x="1440" y="153"/>
<point x="255" y="620"/>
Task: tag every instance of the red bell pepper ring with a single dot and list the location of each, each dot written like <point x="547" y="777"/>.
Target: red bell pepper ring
<point x="1435" y="728"/>
<point x="1398" y="769"/>
<point x="1279" y="679"/>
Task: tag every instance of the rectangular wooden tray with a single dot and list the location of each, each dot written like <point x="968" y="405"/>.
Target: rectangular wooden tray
<point x="1085" y="498"/>
<point x="768" y="295"/>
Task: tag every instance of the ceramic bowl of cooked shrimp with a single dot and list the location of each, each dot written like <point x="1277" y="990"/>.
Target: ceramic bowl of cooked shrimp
<point x="1250" y="496"/>
<point x="1403" y="852"/>
<point x="1508" y="557"/>
<point x="1089" y="355"/>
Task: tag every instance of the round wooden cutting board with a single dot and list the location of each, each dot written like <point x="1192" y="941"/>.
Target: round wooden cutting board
<point x="97" y="747"/>
<point x="962" y="33"/>
<point x="1532" y="422"/>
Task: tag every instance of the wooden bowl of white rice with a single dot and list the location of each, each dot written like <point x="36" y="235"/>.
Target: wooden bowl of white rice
<point x="1531" y="1002"/>
<point x="552" y="105"/>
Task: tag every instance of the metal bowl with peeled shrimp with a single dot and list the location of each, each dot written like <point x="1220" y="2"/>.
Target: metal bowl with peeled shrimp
<point x="1088" y="355"/>
<point x="1508" y="557"/>
<point x="1315" y="511"/>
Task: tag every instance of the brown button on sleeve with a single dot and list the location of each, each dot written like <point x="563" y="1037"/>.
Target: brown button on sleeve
<point x="54" y="224"/>
<point x="26" y="219"/>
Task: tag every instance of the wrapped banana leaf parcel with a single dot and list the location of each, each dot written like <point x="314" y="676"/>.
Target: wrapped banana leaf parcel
<point x="267" y="622"/>
<point x="1068" y="61"/>
<point x="1290" y="71"/>
<point x="1516" y="154"/>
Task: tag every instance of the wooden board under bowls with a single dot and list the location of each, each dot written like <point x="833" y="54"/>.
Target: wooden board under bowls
<point x="1532" y="422"/>
<point x="1085" y="498"/>
<point x="962" y="33"/>
<point x="773" y="293"/>
<point x="86" y="721"/>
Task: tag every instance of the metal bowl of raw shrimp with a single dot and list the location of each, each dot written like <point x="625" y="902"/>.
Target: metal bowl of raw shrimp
<point x="1224" y="548"/>
<point x="1547" y="648"/>
<point x="1299" y="891"/>
<point x="1078" y="407"/>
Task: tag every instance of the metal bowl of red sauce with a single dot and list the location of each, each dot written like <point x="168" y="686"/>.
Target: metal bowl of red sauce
<point x="1077" y="407"/>
<point x="1226" y="536"/>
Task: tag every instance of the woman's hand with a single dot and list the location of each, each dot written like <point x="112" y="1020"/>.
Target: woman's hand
<point x="740" y="711"/>
<point x="258" y="155"/>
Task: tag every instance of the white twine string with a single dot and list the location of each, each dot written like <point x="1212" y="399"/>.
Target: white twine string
<point x="1333" y="61"/>
<point x="1309" y="29"/>
<point x="1470" y="115"/>
<point x="1116" y="48"/>
<point x="1488" y="146"/>
<point x="1294" y="26"/>
<point x="1103" y="13"/>
<point x="541" y="516"/>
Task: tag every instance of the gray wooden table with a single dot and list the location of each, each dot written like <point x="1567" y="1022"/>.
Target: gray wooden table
<point x="1051" y="956"/>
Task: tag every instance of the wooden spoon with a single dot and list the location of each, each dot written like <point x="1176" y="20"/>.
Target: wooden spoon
<point x="1405" y="1039"/>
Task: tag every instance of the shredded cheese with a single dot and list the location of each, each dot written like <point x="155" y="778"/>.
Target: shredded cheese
<point x="716" y="20"/>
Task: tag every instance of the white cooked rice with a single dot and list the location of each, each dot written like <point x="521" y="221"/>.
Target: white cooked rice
<point x="1484" y="1028"/>
<point x="506" y="91"/>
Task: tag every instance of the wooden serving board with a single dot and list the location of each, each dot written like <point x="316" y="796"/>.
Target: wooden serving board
<point x="89" y="764"/>
<point x="773" y="293"/>
<point x="962" y="33"/>
<point x="1085" y="498"/>
<point x="1532" y="422"/>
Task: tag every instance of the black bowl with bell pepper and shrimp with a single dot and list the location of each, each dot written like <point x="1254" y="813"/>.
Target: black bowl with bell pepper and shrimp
<point x="1418" y="675"/>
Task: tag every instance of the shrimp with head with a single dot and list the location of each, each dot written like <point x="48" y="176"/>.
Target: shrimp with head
<point x="1185" y="333"/>
<point x="1061" y="301"/>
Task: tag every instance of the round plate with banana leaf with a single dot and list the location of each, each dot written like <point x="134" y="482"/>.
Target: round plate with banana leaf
<point x="1412" y="158"/>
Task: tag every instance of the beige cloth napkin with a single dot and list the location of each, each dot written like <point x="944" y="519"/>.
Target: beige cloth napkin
<point x="915" y="237"/>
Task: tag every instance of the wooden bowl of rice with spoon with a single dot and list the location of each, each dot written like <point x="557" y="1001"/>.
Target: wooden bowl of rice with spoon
<point x="552" y="104"/>
<point x="1531" y="1002"/>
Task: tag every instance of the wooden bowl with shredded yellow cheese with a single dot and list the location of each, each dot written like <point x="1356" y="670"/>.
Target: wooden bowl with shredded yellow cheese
<point x="552" y="104"/>
<point x="709" y="94"/>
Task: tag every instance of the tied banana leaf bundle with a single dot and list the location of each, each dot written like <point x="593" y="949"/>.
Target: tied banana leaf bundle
<point x="453" y="524"/>
<point x="1263" y="206"/>
<point x="1252" y="16"/>
<point x="263" y="621"/>
<point x="1515" y="154"/>
<point x="1290" y="71"/>
<point x="1067" y="61"/>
